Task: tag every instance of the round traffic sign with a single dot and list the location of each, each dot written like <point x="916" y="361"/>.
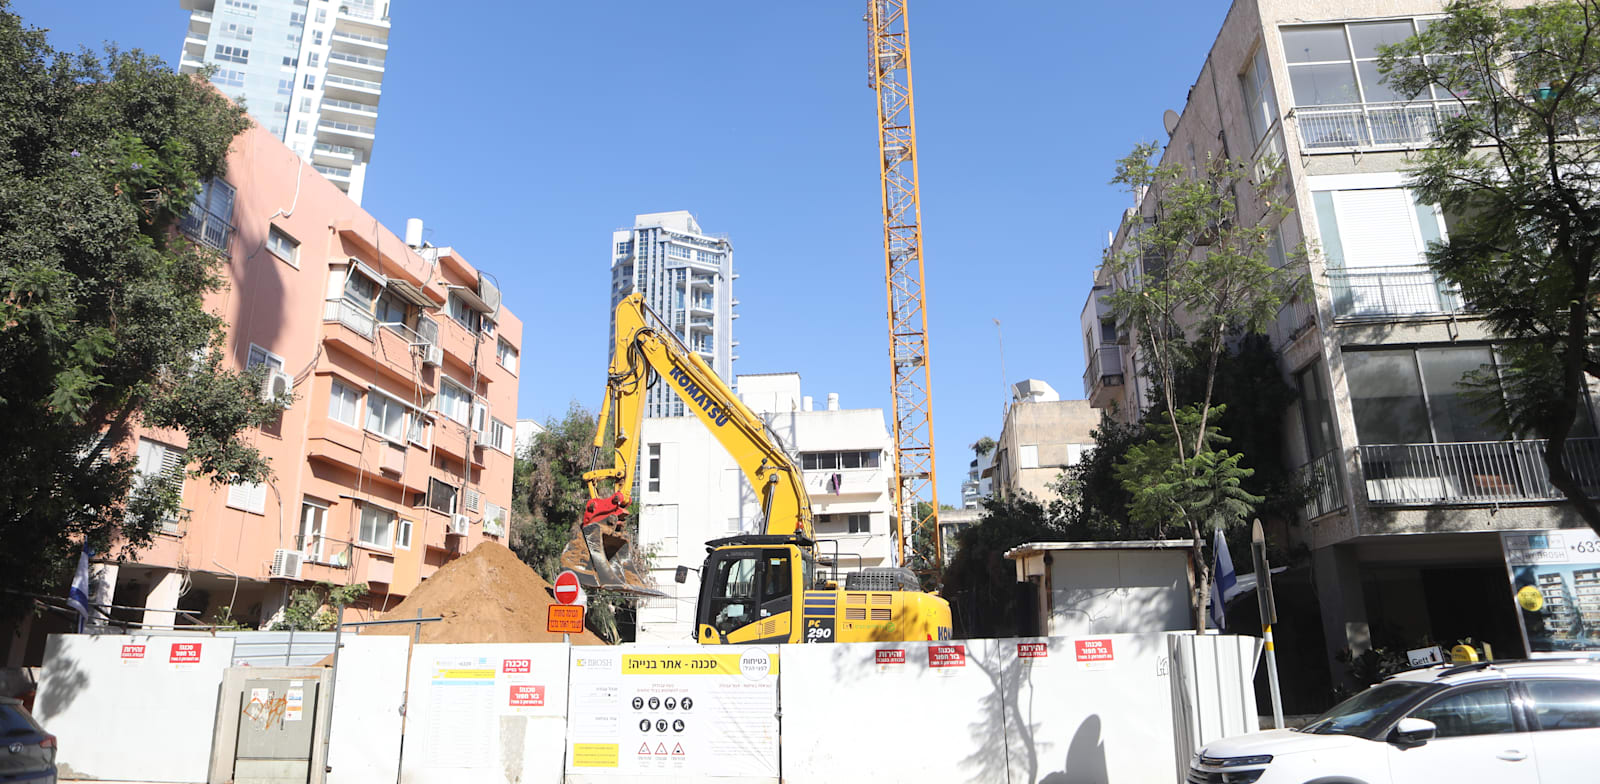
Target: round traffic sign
<point x="567" y="590"/>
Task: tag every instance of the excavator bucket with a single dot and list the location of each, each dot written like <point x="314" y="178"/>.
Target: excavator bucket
<point x="603" y="556"/>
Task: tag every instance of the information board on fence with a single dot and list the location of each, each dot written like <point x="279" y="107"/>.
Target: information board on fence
<point x="1555" y="584"/>
<point x="673" y="712"/>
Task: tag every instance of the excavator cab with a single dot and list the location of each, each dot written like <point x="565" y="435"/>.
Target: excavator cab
<point x="748" y="590"/>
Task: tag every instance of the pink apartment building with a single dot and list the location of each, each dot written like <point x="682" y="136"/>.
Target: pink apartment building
<point x="396" y="455"/>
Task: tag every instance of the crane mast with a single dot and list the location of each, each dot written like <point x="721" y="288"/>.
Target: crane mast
<point x="915" y="482"/>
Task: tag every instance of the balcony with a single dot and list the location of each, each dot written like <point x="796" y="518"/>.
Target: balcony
<point x="335" y="84"/>
<point x="360" y="39"/>
<point x="1377" y="292"/>
<point x="700" y="325"/>
<point x="355" y="62"/>
<point x="336" y="153"/>
<point x="363" y="132"/>
<point x="349" y="107"/>
<point x="1321" y="477"/>
<point x="1472" y="472"/>
<point x="353" y="316"/>
<point x="1344" y="127"/>
<point x="1105" y="371"/>
<point x="207" y="229"/>
<point x="1294" y="318"/>
<point x="859" y="481"/>
<point x="338" y="176"/>
<point x="702" y="282"/>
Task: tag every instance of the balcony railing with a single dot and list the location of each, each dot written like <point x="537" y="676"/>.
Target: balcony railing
<point x="374" y="62"/>
<point x="1356" y="125"/>
<point x="1473" y="471"/>
<point x="1321" y="476"/>
<point x="1293" y="319"/>
<point x="351" y="315"/>
<point x="1105" y="363"/>
<point x="343" y="126"/>
<point x="370" y="39"/>
<point x="334" y="149"/>
<point x="206" y="228"/>
<point x="349" y="82"/>
<point x="351" y="105"/>
<point x="332" y="173"/>
<point x="1412" y="289"/>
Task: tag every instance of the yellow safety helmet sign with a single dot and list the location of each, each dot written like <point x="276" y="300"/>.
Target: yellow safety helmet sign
<point x="1530" y="598"/>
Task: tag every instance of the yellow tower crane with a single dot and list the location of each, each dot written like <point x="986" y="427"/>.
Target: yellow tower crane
<point x="916" y="493"/>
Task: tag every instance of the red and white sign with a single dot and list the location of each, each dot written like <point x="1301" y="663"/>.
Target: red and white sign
<point x="567" y="589"/>
<point x="527" y="696"/>
<point x="947" y="655"/>
<point x="131" y="653"/>
<point x="510" y="666"/>
<point x="185" y="653"/>
<point x="1033" y="650"/>
<point x="1096" y="651"/>
<point x="890" y="656"/>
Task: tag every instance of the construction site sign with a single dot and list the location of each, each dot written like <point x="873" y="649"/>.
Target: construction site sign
<point x="565" y="619"/>
<point x="1555" y="587"/>
<point x="663" y="711"/>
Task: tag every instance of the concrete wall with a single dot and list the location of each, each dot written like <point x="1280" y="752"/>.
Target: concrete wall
<point x="118" y="717"/>
<point x="1049" y="429"/>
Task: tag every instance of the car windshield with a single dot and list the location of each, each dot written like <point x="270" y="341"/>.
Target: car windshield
<point x="14" y="722"/>
<point x="1362" y="713"/>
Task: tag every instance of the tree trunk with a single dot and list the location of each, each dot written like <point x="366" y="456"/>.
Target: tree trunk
<point x="1202" y="590"/>
<point x="1572" y="383"/>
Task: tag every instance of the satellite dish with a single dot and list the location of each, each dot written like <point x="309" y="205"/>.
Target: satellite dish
<point x="1170" y="119"/>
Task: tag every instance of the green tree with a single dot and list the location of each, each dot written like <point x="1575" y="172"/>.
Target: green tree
<point x="317" y="608"/>
<point x="1193" y="273"/>
<point x="1516" y="166"/>
<point x="549" y="490"/>
<point x="102" y="320"/>
<point x="983" y="446"/>
<point x="1090" y="492"/>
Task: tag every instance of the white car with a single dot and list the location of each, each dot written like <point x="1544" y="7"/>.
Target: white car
<point x="1501" y="722"/>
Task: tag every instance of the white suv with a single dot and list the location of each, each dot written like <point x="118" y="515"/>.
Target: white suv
<point x="1501" y="722"/>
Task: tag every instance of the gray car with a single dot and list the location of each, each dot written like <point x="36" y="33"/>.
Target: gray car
<point x="27" y="752"/>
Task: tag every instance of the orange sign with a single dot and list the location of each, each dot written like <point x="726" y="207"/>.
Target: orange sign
<point x="565" y="619"/>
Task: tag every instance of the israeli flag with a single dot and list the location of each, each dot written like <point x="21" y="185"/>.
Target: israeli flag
<point x="78" y="596"/>
<point x="1223" y="580"/>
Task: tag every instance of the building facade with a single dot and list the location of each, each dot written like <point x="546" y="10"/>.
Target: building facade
<point x="310" y="71"/>
<point x="395" y="455"/>
<point x="1042" y="436"/>
<point x="1414" y="484"/>
<point x="691" y="492"/>
<point x="686" y="276"/>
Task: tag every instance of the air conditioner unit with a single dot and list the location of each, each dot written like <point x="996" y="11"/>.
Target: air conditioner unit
<point x="285" y="565"/>
<point x="432" y="355"/>
<point x="459" y="525"/>
<point x="278" y="385"/>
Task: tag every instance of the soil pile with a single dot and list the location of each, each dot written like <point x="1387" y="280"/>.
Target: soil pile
<point x="487" y="595"/>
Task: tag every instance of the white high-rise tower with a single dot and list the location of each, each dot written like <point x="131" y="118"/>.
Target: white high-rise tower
<point x="687" y="277"/>
<point x="310" y="71"/>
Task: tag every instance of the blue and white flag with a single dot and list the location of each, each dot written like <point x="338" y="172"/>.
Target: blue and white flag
<point x="78" y="595"/>
<point x="1223" y="580"/>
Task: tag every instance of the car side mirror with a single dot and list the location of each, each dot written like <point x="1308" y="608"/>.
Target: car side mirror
<point x="681" y="576"/>
<point x="1413" y="732"/>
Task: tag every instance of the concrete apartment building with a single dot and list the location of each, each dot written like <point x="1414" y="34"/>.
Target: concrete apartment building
<point x="1404" y="534"/>
<point x="691" y="492"/>
<point x="395" y="455"/>
<point x="1042" y="435"/>
<point x="310" y="71"/>
<point x="686" y="275"/>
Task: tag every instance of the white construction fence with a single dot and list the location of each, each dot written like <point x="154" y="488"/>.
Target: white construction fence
<point x="1114" y="708"/>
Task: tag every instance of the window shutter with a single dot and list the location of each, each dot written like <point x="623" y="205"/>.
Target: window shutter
<point x="250" y="497"/>
<point x="173" y="463"/>
<point x="471" y="499"/>
<point x="1377" y="228"/>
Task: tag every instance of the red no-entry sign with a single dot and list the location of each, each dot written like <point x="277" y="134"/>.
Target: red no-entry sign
<point x="567" y="589"/>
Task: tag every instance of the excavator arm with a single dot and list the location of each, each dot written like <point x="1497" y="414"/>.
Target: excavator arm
<point x="646" y="350"/>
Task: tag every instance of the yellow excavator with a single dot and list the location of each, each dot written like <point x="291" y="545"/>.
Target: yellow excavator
<point x="754" y="588"/>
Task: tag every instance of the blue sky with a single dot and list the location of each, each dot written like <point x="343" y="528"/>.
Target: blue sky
<point x="523" y="133"/>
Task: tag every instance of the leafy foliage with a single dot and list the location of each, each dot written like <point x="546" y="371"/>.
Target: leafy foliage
<point x="102" y="320"/>
<point x="1516" y="167"/>
<point x="316" y="609"/>
<point x="1203" y="489"/>
<point x="983" y="446"/>
<point x="549" y="494"/>
<point x="980" y="583"/>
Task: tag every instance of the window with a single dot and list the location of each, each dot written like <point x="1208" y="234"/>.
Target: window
<point x="1075" y="453"/>
<point x="392" y="311"/>
<point x="1387" y="395"/>
<point x="500" y="436"/>
<point x="300" y="126"/>
<point x="361" y="288"/>
<point x="844" y="523"/>
<point x="470" y="499"/>
<point x="677" y="251"/>
<point x="316" y="36"/>
<point x="1258" y="98"/>
<point x="494" y="520"/>
<point x="305" y="105"/>
<point x="1315" y="412"/>
<point x="377" y="527"/>
<point x="297" y="19"/>
<point x="507" y="355"/>
<point x="290" y="62"/>
<point x="418" y="432"/>
<point x="261" y="356"/>
<point x="386" y="416"/>
<point x="441" y="497"/>
<point x="1375" y="240"/>
<point x="342" y="403"/>
<point x="228" y="77"/>
<point x="233" y="54"/>
<point x="1028" y="456"/>
<point x="455" y="401"/>
<point x="249" y="497"/>
<point x="827" y="461"/>
<point x="281" y="244"/>
<point x="402" y="537"/>
<point x="236" y="30"/>
<point x="624" y="248"/>
<point x="285" y="86"/>
<point x="322" y="15"/>
<point x="1481" y="711"/>
<point x="313" y="522"/>
<point x="654" y="471"/>
<point x="480" y="420"/>
<point x="161" y="466"/>
<point x="241" y="7"/>
<point x="1565" y="705"/>
<point x="311" y="81"/>
<point x="463" y="313"/>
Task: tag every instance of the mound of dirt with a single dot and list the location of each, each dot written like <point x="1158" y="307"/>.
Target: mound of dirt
<point x="487" y="595"/>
